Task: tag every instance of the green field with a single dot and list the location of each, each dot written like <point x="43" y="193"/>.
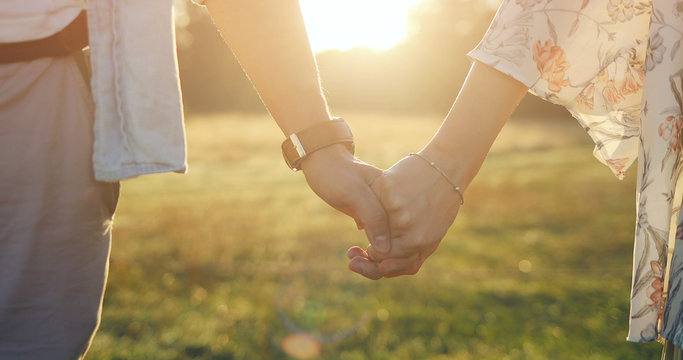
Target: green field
<point x="239" y="260"/>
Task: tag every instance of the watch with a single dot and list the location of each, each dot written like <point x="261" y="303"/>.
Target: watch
<point x="313" y="138"/>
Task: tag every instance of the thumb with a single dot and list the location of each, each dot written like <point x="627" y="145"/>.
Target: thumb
<point x="369" y="211"/>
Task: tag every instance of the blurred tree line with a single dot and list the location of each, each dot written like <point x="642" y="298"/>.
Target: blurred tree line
<point x="421" y="74"/>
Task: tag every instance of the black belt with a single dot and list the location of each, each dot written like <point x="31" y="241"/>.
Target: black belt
<point x="73" y="37"/>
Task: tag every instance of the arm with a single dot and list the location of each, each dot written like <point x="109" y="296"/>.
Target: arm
<point x="269" y="39"/>
<point x="421" y="204"/>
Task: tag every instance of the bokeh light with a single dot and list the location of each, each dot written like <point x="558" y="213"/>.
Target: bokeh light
<point x="310" y="307"/>
<point x="301" y="346"/>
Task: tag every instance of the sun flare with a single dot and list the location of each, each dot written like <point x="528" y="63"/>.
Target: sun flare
<point x="344" y="24"/>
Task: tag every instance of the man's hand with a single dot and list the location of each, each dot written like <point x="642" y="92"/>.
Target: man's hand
<point x="344" y="182"/>
<point x="421" y="206"/>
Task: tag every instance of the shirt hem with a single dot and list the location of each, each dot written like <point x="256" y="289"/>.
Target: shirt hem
<point x="135" y="170"/>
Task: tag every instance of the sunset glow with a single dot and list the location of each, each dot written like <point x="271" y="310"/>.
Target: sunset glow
<point x="344" y="24"/>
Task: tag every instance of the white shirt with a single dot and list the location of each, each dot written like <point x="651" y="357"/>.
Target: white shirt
<point x="138" y="123"/>
<point x="135" y="85"/>
<point x="22" y="20"/>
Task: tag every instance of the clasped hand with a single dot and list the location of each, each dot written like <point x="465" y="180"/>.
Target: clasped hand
<point x="420" y="205"/>
<point x="405" y="210"/>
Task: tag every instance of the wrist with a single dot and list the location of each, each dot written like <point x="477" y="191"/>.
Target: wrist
<point x="293" y="119"/>
<point x="458" y="166"/>
<point x="325" y="156"/>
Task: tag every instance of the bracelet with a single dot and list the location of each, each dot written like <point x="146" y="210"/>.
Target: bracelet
<point x="433" y="165"/>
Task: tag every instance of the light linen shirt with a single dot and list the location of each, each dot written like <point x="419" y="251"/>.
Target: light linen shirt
<point x="138" y="123"/>
<point x="617" y="66"/>
<point x="22" y="20"/>
<point x="135" y="85"/>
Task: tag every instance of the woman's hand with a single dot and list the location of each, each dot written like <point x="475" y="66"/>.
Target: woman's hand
<point x="421" y="206"/>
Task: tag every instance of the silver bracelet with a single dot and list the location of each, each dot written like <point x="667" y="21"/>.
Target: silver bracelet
<point x="433" y="165"/>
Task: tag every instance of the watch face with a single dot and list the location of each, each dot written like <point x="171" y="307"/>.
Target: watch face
<point x="298" y="146"/>
<point x="290" y="152"/>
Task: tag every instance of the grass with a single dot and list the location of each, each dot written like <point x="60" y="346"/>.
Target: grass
<point x="238" y="259"/>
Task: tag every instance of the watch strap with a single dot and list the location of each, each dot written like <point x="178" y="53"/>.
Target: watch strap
<point x="298" y="145"/>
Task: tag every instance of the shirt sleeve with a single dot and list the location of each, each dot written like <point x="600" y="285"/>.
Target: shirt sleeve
<point x="587" y="56"/>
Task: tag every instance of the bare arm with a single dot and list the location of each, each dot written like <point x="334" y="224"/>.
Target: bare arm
<point x="484" y="104"/>
<point x="421" y="204"/>
<point x="269" y="39"/>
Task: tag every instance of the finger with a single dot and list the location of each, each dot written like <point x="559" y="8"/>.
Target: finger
<point x="376" y="256"/>
<point x="398" y="250"/>
<point x="369" y="211"/>
<point x="406" y="272"/>
<point x="359" y="224"/>
<point x="365" y="267"/>
<point x="392" y="268"/>
<point x="356" y="251"/>
<point x="411" y="270"/>
<point x="397" y="265"/>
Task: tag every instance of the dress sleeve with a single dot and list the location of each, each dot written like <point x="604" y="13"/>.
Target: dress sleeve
<point x="587" y="56"/>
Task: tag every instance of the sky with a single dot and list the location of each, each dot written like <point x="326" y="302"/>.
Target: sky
<point x="344" y="24"/>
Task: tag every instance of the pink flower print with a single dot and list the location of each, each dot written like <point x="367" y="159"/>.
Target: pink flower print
<point x="612" y="94"/>
<point x="552" y="64"/>
<point x="670" y="131"/>
<point x="618" y="165"/>
<point x="587" y="96"/>
<point x="657" y="285"/>
<point x="621" y="77"/>
<point x="632" y="81"/>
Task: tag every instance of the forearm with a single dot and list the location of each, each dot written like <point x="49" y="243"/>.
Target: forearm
<point x="269" y="39"/>
<point x="485" y="102"/>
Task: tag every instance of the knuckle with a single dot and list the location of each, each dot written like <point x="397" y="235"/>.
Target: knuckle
<point x="401" y="220"/>
<point x="393" y="202"/>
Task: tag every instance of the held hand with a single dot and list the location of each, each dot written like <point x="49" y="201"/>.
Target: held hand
<point x="421" y="205"/>
<point x="420" y="202"/>
<point x="344" y="182"/>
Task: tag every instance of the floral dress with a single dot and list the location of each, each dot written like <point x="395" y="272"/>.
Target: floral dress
<point x="617" y="66"/>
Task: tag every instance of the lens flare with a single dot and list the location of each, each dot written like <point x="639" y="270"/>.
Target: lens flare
<point x="319" y="310"/>
<point x="300" y="346"/>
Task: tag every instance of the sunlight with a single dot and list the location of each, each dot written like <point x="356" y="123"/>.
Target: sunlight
<point x="344" y="24"/>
